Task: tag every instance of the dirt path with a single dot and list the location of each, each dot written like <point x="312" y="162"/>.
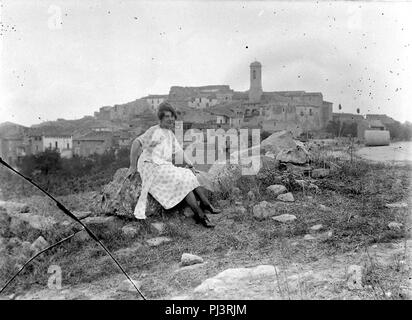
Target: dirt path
<point x="325" y="278"/>
<point x="395" y="152"/>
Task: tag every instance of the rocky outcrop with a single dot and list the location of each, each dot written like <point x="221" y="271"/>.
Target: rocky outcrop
<point x="120" y="196"/>
<point x="285" y="149"/>
<point x="238" y="283"/>
<point x="276" y="189"/>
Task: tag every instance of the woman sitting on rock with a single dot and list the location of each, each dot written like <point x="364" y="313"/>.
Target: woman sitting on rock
<point x="151" y="156"/>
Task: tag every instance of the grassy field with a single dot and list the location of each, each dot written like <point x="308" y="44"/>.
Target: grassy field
<point x="350" y="205"/>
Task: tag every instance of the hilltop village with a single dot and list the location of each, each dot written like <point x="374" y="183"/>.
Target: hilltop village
<point x="212" y="106"/>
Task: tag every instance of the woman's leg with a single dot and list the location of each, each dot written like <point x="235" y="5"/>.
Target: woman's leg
<point x="200" y="192"/>
<point x="200" y="216"/>
<point x="192" y="202"/>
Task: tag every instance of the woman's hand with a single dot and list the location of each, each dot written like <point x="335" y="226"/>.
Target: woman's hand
<point x="192" y="168"/>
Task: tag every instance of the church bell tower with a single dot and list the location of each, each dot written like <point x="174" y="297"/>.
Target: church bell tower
<point x="255" y="91"/>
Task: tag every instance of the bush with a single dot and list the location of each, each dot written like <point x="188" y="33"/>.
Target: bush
<point x="61" y="176"/>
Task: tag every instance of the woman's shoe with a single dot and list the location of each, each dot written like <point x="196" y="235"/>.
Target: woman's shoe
<point x="204" y="221"/>
<point x="211" y="209"/>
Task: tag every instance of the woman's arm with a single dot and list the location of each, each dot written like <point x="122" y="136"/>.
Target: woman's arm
<point x="135" y="153"/>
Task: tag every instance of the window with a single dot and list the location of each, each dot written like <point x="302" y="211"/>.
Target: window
<point x="50" y="145"/>
<point x="283" y="110"/>
<point x="310" y="112"/>
<point x="301" y="113"/>
<point x="254" y="74"/>
<point x="55" y="144"/>
<point x="68" y="146"/>
<point x="37" y="148"/>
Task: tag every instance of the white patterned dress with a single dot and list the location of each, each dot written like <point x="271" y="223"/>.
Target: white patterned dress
<point x="167" y="183"/>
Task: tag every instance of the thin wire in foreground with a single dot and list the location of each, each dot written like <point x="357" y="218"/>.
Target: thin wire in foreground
<point x="71" y="215"/>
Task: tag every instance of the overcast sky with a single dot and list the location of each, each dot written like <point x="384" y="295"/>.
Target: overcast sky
<point x="66" y="59"/>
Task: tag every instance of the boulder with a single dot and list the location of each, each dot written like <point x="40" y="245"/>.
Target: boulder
<point x="39" y="244"/>
<point x="320" y="173"/>
<point x="130" y="231"/>
<point x="395" y="225"/>
<point x="295" y="155"/>
<point x="308" y="237"/>
<point x="278" y="141"/>
<point x="38" y="222"/>
<point x="160" y="227"/>
<point x="396" y="205"/>
<point x="104" y="226"/>
<point x="286" y="197"/>
<point x="265" y="209"/>
<point x="224" y="174"/>
<point x="284" y="218"/>
<point x="276" y="189"/>
<point x="354" y="277"/>
<point x="154" y="242"/>
<point x="316" y="227"/>
<point x="190" y="259"/>
<point x="239" y="283"/>
<point x="119" y="197"/>
<point x="14" y="207"/>
<point x="324" y="208"/>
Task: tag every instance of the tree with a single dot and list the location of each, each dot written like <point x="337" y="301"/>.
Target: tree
<point x="48" y="161"/>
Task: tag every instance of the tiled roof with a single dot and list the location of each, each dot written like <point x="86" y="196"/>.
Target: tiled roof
<point x="95" y="136"/>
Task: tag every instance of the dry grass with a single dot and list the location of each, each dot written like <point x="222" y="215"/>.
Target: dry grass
<point x="356" y="195"/>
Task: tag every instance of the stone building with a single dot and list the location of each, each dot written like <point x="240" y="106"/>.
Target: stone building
<point x="271" y="111"/>
<point x="155" y="99"/>
<point x="50" y="138"/>
<point x="93" y="142"/>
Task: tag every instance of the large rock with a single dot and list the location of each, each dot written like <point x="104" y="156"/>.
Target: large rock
<point x="154" y="242"/>
<point x="295" y="155"/>
<point x="130" y="231"/>
<point x="266" y="209"/>
<point x="39" y="244"/>
<point x="395" y="225"/>
<point x="277" y="142"/>
<point x="240" y="283"/>
<point x="189" y="259"/>
<point x="38" y="222"/>
<point x="276" y="189"/>
<point x="104" y="226"/>
<point x="225" y="174"/>
<point x="396" y="205"/>
<point x="284" y="218"/>
<point x="14" y="207"/>
<point x="286" y="197"/>
<point x="120" y="196"/>
<point x="282" y="145"/>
